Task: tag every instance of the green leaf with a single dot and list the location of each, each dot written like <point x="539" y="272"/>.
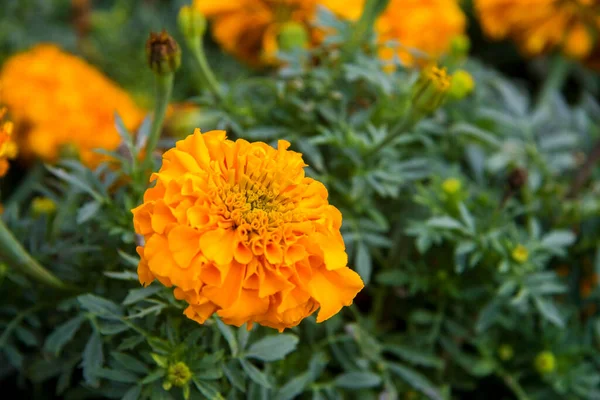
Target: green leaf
<point x="416" y="380"/>
<point x="136" y="295"/>
<point x="444" y="222"/>
<point x="129" y="362"/>
<point x="133" y="393"/>
<point x="549" y="311"/>
<point x="116" y="375"/>
<point x="62" y="335"/>
<point x="255" y="374"/>
<point x="229" y="336"/>
<point x="357" y="380"/>
<point x="414" y="356"/>
<point x="92" y="359"/>
<point x="363" y="262"/>
<point x="207" y="390"/>
<point x="234" y="375"/>
<point x="99" y="306"/>
<point x="154" y="376"/>
<point x="557" y="239"/>
<point x="293" y="388"/>
<point x="124" y="276"/>
<point x="274" y="347"/>
<point x="87" y="211"/>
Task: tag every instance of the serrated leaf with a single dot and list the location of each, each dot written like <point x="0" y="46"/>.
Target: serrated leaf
<point x="207" y="390"/>
<point x="87" y="211"/>
<point x="133" y="393"/>
<point x="416" y="380"/>
<point x="255" y="374"/>
<point x="99" y="306"/>
<point x="272" y="348"/>
<point x="129" y="362"/>
<point x="549" y="311"/>
<point x="363" y="262"/>
<point x="116" y="375"/>
<point x="293" y="388"/>
<point x="92" y="359"/>
<point x="229" y="336"/>
<point x="357" y="380"/>
<point x="444" y="222"/>
<point x="136" y="295"/>
<point x="414" y="356"/>
<point x="558" y="239"/>
<point x="62" y="335"/>
<point x="234" y="375"/>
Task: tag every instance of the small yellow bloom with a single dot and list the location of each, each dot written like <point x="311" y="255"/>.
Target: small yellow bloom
<point x="451" y="186"/>
<point x="545" y="362"/>
<point x="43" y="206"/>
<point x="462" y="85"/>
<point x="240" y="231"/>
<point x="520" y="254"/>
<point x="73" y="104"/>
<point x="179" y="374"/>
<point x="506" y="352"/>
<point x="542" y="26"/>
<point x="430" y="90"/>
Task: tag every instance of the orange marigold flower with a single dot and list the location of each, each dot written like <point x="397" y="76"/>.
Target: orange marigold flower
<point x="541" y="26"/>
<point x="428" y="26"/>
<point x="239" y="230"/>
<point x="57" y="99"/>
<point x="8" y="148"/>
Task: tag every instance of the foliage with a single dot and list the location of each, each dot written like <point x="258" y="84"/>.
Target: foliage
<point x="466" y="283"/>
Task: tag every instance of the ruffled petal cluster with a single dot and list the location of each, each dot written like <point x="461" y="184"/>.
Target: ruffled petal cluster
<point x="239" y="230"/>
<point x="57" y="100"/>
<point x="8" y="147"/>
<point x="542" y="26"/>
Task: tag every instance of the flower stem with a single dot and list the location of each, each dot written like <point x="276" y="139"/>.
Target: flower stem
<point x="12" y="252"/>
<point x="164" y="88"/>
<point x="407" y="122"/>
<point x="208" y="76"/>
<point x="364" y="25"/>
<point x="514" y="385"/>
<point x="559" y="71"/>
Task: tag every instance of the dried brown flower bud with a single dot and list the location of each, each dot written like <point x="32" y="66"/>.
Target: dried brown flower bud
<point x="163" y="52"/>
<point x="517" y="179"/>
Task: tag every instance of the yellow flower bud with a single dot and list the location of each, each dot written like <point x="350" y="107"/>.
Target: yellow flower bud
<point x="292" y="36"/>
<point x="545" y="362"/>
<point x="506" y="352"/>
<point x="43" y="206"/>
<point x="451" y="186"/>
<point x="520" y="254"/>
<point x="430" y="90"/>
<point x="460" y="45"/>
<point x="462" y="85"/>
<point x="192" y="23"/>
<point x="163" y="53"/>
<point x="179" y="374"/>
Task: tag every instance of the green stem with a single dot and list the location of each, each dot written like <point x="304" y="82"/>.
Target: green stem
<point x="12" y="252"/>
<point x="559" y="71"/>
<point x="208" y="76"/>
<point x="513" y="384"/>
<point x="35" y="175"/>
<point x="364" y="25"/>
<point x="164" y="88"/>
<point x="407" y="122"/>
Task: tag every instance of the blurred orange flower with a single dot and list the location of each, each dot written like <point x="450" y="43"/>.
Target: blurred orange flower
<point x="57" y="99"/>
<point x="250" y="29"/>
<point x="239" y="230"/>
<point x="8" y="148"/>
<point x="541" y="26"/>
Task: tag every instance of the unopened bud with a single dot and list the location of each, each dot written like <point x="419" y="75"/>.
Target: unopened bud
<point x="517" y="179"/>
<point x="179" y="374"/>
<point x="460" y="45"/>
<point x="545" y="362"/>
<point x="292" y="36"/>
<point x="462" y="85"/>
<point x="520" y="254"/>
<point x="163" y="53"/>
<point x="506" y="352"/>
<point x="192" y="23"/>
<point x="43" y="206"/>
<point x="430" y="90"/>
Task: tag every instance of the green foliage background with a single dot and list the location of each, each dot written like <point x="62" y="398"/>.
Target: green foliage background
<point x="447" y="311"/>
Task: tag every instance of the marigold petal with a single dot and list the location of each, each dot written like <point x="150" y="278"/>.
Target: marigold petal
<point x="183" y="243"/>
<point x="217" y="245"/>
<point x="334" y="290"/>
